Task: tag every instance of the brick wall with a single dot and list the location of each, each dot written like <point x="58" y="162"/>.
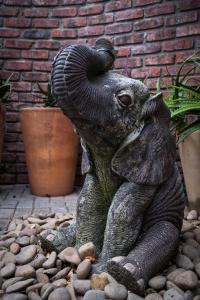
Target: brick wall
<point x="149" y="35"/>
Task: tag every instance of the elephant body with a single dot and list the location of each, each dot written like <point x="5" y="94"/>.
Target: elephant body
<point x="131" y="205"/>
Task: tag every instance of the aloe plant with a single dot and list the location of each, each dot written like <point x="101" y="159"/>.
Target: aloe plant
<point x="47" y="96"/>
<point x="5" y="89"/>
<point x="183" y="98"/>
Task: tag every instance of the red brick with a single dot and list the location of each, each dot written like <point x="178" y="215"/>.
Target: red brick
<point x="65" y="12"/>
<point x="14" y="147"/>
<point x="163" y="59"/>
<point x="34" y="76"/>
<point x="180" y="56"/>
<point x="22" y="178"/>
<point x="12" y="116"/>
<point x="101" y="19"/>
<point x="45" y="23"/>
<point x="118" y="28"/>
<point x="13" y="127"/>
<point x="17" y="22"/>
<point x="144" y="49"/>
<point x="148" y="23"/>
<point x="64" y="33"/>
<point x="91" y="10"/>
<point x="6" y="74"/>
<point x="18" y="65"/>
<point x="129" y="39"/>
<point x="44" y="66"/>
<point x="21" y="157"/>
<point x="9" y="32"/>
<point x="9" y="53"/>
<point x="35" y="54"/>
<point x="188" y="4"/>
<point x="8" y="178"/>
<point x="178" y="45"/>
<point x="11" y="137"/>
<point x="117" y="5"/>
<point x="129" y="14"/>
<point x="8" y="12"/>
<point x="163" y="34"/>
<point x="51" y="45"/>
<point x="18" y="44"/>
<point x="17" y="2"/>
<point x="146" y="72"/>
<point x="91" y="31"/>
<point x="75" y="22"/>
<point x="9" y="157"/>
<point x="145" y="2"/>
<point x="162" y="9"/>
<point x="130" y="62"/>
<point x="45" y="2"/>
<point x="173" y="70"/>
<point x="187" y="30"/>
<point x="182" y="18"/>
<point x="21" y="86"/>
<point x="27" y="97"/>
<point x="123" y="51"/>
<point x="35" y="12"/>
<point x="76" y="2"/>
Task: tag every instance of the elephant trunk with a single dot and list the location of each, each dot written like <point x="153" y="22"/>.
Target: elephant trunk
<point x="74" y="71"/>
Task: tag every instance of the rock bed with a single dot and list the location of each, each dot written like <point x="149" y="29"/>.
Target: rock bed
<point x="27" y="272"/>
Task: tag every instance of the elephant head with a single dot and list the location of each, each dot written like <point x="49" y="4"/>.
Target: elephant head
<point x="113" y="113"/>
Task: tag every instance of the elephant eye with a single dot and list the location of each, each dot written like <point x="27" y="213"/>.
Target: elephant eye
<point x="125" y="100"/>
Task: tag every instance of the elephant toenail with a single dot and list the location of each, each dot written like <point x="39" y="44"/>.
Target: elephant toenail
<point x="140" y="282"/>
<point x="118" y="258"/>
<point x="130" y="267"/>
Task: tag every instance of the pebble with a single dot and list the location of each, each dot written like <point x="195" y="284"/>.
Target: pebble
<point x="46" y="290"/>
<point x="94" y="295"/>
<point x="38" y="261"/>
<point x="157" y="282"/>
<point x="132" y="296"/>
<point x="116" y="291"/>
<point x="26" y="254"/>
<point x="8" y="270"/>
<point x="186" y="280"/>
<point x="1" y="281"/>
<point x="184" y="262"/>
<point x="60" y="293"/>
<point x="173" y="294"/>
<point x="33" y="296"/>
<point x="153" y="296"/>
<point x="15" y="296"/>
<point x="70" y="255"/>
<point x="23" y="240"/>
<point x="15" y="248"/>
<point x="60" y="282"/>
<point x="10" y="281"/>
<point x="6" y="243"/>
<point x="197" y="269"/>
<point x="20" y="285"/>
<point x="81" y="286"/>
<point x="61" y="274"/>
<point x="51" y="271"/>
<point x="83" y="269"/>
<point x="9" y="258"/>
<point x="196" y="297"/>
<point x="28" y="231"/>
<point x="87" y="249"/>
<point x="50" y="263"/>
<point x="190" y="251"/>
<point x="171" y="285"/>
<point x="172" y="275"/>
<point x="192" y="215"/>
<point x="38" y="221"/>
<point x="25" y="271"/>
<point x="43" y="278"/>
<point x="99" y="281"/>
<point x="34" y="287"/>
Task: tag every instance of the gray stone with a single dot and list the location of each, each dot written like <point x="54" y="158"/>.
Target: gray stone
<point x="153" y="296"/>
<point x="172" y="275"/>
<point x="15" y="248"/>
<point x="197" y="269"/>
<point x="51" y="271"/>
<point x="83" y="269"/>
<point x="70" y="255"/>
<point x="19" y="286"/>
<point x="60" y="293"/>
<point x="171" y="285"/>
<point x="94" y="295"/>
<point x="87" y="249"/>
<point x="173" y="294"/>
<point x="23" y="240"/>
<point x="25" y="271"/>
<point x="192" y="215"/>
<point x="188" y="295"/>
<point x="6" y="243"/>
<point x="35" y="287"/>
<point x="186" y="280"/>
<point x="33" y="240"/>
<point x="28" y="231"/>
<point x="50" y="263"/>
<point x="61" y="274"/>
<point x="10" y="281"/>
<point x="1" y="281"/>
<point x="9" y="258"/>
<point x="26" y="254"/>
<point x="184" y="262"/>
<point x="60" y="282"/>
<point x="46" y="290"/>
<point x="15" y="296"/>
<point x="33" y="296"/>
<point x="196" y="298"/>
<point x="38" y="261"/>
<point x="81" y="286"/>
<point x="43" y="278"/>
<point x="116" y="291"/>
<point x="8" y="270"/>
<point x="34" y="220"/>
<point x="132" y="296"/>
<point x="190" y="251"/>
<point x="157" y="282"/>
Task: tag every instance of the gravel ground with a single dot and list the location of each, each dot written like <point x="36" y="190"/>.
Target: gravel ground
<point x="27" y="272"/>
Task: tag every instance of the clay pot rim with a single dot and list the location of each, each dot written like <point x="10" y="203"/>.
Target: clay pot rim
<point x="40" y="108"/>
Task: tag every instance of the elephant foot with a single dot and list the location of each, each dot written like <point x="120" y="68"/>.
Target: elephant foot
<point x="99" y="267"/>
<point x="125" y="273"/>
<point x="58" y="240"/>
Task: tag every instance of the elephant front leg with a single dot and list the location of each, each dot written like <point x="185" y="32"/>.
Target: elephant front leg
<point x="124" y="220"/>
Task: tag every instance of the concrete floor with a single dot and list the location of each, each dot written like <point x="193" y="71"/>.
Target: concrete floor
<point x="17" y="200"/>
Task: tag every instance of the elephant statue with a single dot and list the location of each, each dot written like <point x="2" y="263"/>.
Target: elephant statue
<point x="131" y="205"/>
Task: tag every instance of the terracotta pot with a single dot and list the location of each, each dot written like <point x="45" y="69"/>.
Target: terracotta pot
<point x="51" y="150"/>
<point x="190" y="159"/>
<point x="2" y="129"/>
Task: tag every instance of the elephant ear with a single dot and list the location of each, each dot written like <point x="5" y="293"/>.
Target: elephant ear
<point x="147" y="155"/>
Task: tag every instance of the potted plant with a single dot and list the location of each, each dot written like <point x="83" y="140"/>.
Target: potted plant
<point x="183" y="100"/>
<point x="51" y="148"/>
<point x="5" y="89"/>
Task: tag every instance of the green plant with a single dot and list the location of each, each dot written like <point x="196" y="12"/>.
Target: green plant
<point x="5" y="90"/>
<point x="47" y="96"/>
<point x="183" y="98"/>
